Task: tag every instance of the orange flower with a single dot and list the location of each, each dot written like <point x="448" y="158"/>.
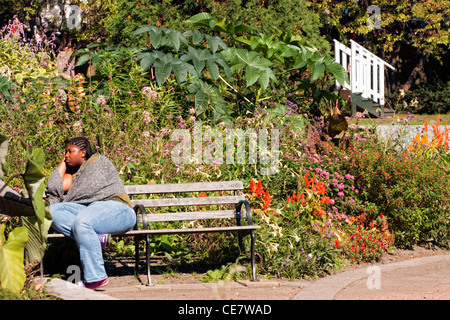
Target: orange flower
<point x="319" y="188"/>
<point x="325" y="200"/>
<point x="202" y="194"/>
<point x="252" y="186"/>
<point x="259" y="189"/>
<point x="320" y="211"/>
<point x="307" y="182"/>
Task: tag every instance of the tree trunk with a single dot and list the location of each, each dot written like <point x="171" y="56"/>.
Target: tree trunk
<point x="415" y="72"/>
<point x="392" y="76"/>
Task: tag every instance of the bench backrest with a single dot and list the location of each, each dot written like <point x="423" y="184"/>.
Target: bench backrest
<point x="197" y="202"/>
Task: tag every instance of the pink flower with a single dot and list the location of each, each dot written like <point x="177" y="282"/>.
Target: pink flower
<point x="340" y="194"/>
<point x="349" y="176"/>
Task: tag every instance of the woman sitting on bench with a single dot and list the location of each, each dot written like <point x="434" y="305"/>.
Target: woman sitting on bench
<point x="88" y="202"/>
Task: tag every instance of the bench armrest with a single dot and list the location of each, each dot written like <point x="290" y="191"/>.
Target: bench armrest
<point x="140" y="209"/>
<point x="248" y="212"/>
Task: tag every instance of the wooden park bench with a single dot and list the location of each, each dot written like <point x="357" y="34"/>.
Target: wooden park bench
<point x="182" y="199"/>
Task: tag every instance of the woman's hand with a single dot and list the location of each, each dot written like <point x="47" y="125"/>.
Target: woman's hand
<point x="66" y="177"/>
<point x="62" y="167"/>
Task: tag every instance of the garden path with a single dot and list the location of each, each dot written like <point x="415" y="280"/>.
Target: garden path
<point x="419" y="274"/>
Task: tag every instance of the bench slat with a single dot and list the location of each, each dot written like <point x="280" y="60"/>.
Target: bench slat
<point x="173" y="231"/>
<point x="199" y="201"/>
<point x="184" y="187"/>
<point x="184" y="216"/>
<point x="191" y="230"/>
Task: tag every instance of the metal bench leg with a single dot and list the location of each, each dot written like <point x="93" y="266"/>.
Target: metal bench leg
<point x="136" y="256"/>
<point x="147" y="249"/>
<point x="253" y="256"/>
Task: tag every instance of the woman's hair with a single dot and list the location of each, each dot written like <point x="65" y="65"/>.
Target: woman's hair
<point x="83" y="144"/>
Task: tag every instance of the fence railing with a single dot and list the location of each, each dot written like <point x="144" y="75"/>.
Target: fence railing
<point x="366" y="70"/>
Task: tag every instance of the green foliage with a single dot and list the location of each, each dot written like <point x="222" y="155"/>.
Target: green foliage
<point x="227" y="272"/>
<point x="12" y="274"/>
<point x="291" y="15"/>
<point x="207" y="21"/>
<point x="22" y="60"/>
<point x="433" y="98"/>
<point x="257" y="68"/>
<point x="5" y="87"/>
<point x="420" y="24"/>
<point x="128" y="16"/>
<point x="364" y="245"/>
<point x="38" y="226"/>
<point x="29" y="240"/>
<point x="411" y="192"/>
<point x="138" y="97"/>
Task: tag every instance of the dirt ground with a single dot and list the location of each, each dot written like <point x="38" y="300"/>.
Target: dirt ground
<point x="188" y="286"/>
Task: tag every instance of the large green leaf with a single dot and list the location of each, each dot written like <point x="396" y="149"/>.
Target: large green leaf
<point x="336" y="70"/>
<point x="204" y="58"/>
<point x="12" y="274"/>
<point x="317" y="69"/>
<point x="163" y="68"/>
<point x="256" y="66"/>
<point x="202" y="17"/>
<point x="207" y="21"/>
<point x="38" y="225"/>
<point x="162" y="36"/>
<point x="5" y="87"/>
<point x="207" y="96"/>
<point x="147" y="60"/>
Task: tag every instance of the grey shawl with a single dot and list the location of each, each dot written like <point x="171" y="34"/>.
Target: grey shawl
<point x="97" y="179"/>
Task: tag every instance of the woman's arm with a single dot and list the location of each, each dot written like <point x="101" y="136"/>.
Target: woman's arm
<point x="66" y="177"/>
<point x="58" y="183"/>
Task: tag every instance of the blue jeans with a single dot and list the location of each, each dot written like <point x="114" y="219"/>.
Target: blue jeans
<point x="84" y="222"/>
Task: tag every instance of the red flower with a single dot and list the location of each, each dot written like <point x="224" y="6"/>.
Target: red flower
<point x="252" y="186"/>
<point x="202" y="194"/>
<point x="267" y="199"/>
<point x="336" y="242"/>
<point x="325" y="200"/>
<point x="259" y="189"/>
<point x="289" y="199"/>
<point x="307" y="182"/>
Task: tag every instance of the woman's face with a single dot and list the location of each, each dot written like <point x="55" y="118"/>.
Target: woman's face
<point x="74" y="157"/>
